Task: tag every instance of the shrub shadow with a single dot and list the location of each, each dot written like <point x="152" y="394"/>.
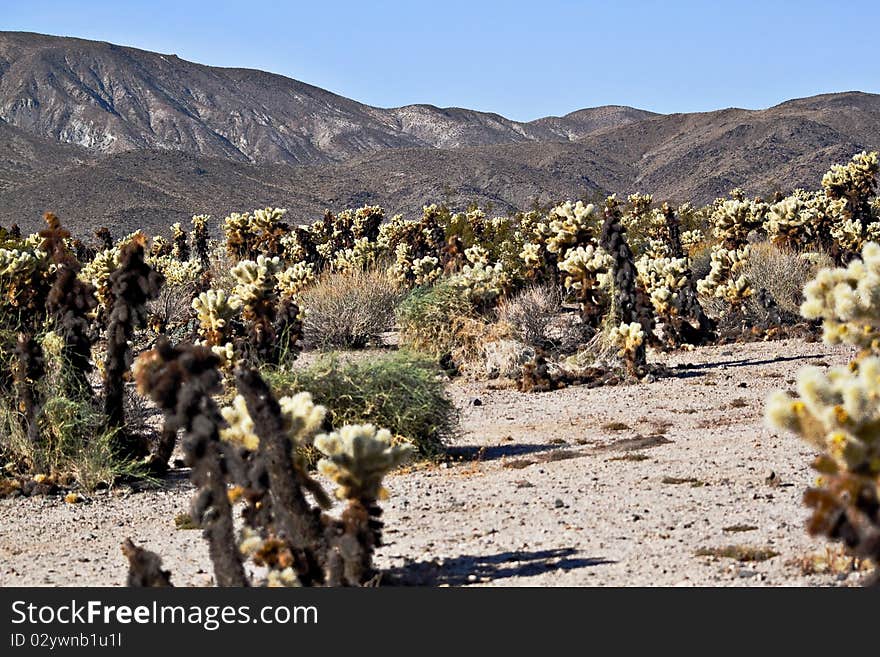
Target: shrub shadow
<point x="469" y="569"/>
<point x="494" y="452"/>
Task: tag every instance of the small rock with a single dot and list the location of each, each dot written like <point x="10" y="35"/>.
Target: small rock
<point x="742" y="384"/>
<point x="477" y="402"/>
<point x="558" y="503"/>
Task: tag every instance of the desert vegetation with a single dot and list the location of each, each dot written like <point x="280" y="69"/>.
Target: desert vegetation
<point x="216" y="341"/>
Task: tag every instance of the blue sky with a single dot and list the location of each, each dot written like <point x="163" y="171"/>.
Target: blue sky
<point x="521" y="59"/>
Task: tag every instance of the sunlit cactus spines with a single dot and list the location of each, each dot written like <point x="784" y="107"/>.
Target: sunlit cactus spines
<point x="357" y="458"/>
<point x="856" y="179"/>
<point x="426" y="270"/>
<point x="250" y="235"/>
<point x="240" y="429"/>
<point x="847" y="300"/>
<point x="571" y="224"/>
<point x="215" y="309"/>
<point x="294" y="279"/>
<point x="734" y="219"/>
<point x="97" y="273"/>
<point x="838" y="414"/>
<point x="630" y="342"/>
<point x="587" y="273"/>
<point x="691" y="239"/>
<point x="301" y="421"/>
<point x="255" y="279"/>
<point x="726" y="279"/>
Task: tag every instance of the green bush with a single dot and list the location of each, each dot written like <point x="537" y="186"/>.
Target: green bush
<point x="439" y="320"/>
<point x="400" y="392"/>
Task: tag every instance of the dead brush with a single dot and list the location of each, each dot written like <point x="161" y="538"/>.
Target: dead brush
<point x="538" y="318"/>
<point x="350" y="309"/>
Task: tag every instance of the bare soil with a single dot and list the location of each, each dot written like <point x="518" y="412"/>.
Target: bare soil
<point x="675" y="482"/>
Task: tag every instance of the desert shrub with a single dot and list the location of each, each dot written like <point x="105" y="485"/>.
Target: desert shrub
<point x="782" y="273"/>
<point x="349" y="309"/>
<point x="440" y="321"/>
<point x="399" y="391"/>
<point x="74" y="444"/>
<point x="536" y="317"/>
<point x="701" y="261"/>
<point x="249" y="455"/>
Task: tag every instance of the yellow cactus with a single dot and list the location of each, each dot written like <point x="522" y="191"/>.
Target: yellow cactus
<point x="357" y="459"/>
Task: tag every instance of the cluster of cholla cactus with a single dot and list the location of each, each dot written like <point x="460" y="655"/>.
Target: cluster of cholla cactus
<point x="853" y="185"/>
<point x="132" y="284"/>
<point x="631" y="305"/>
<point x="733" y="219"/>
<point x="587" y="276"/>
<point x="665" y="273"/>
<point x="250" y="235"/>
<point x="847" y="300"/>
<point x="838" y="412"/>
<point x="259" y="319"/>
<point x="803" y="221"/>
<point x="567" y="242"/>
<point x="257" y="451"/>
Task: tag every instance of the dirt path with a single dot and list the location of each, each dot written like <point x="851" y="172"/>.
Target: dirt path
<point x="578" y="487"/>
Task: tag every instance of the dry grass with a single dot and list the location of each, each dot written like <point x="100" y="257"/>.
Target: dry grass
<point x="349" y="309"/>
<point x="536" y="317"/>
<point x="782" y="273"/>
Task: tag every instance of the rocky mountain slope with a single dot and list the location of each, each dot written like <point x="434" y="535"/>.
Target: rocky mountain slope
<point x="105" y="134"/>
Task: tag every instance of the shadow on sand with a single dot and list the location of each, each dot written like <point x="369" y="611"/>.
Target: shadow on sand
<point x="469" y="569"/>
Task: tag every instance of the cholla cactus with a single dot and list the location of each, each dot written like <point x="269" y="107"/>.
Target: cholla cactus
<point x="295" y="279"/>
<point x="176" y="271"/>
<point x="248" y="236"/>
<point x="200" y="239"/>
<point x="97" y="273"/>
<point x="734" y="219"/>
<point x="663" y="278"/>
<point x="402" y="269"/>
<point x="477" y="255"/>
<point x="483" y="284"/>
<point x="848" y="301"/>
<point x="726" y="279"/>
<point x="255" y="280"/>
<point x="631" y="304"/>
<point x="803" y="219"/>
<point x="362" y="255"/>
<point x="274" y="323"/>
<point x="181" y="246"/>
<point x="853" y="185"/>
<point x="838" y="414"/>
<point x="25" y="276"/>
<point x="302" y="419"/>
<point x="367" y="221"/>
<point x="629" y="340"/>
<point x="587" y="272"/>
<point x="691" y="239"/>
<point x="426" y="270"/>
<point x="357" y="458"/>
<point x="215" y="309"/>
<point x="571" y="224"/>
<point x="857" y="178"/>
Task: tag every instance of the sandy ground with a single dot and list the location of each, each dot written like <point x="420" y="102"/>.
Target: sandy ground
<point x="610" y="486"/>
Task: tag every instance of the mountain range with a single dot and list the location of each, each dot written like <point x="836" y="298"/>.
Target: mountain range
<point x="104" y="134"/>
